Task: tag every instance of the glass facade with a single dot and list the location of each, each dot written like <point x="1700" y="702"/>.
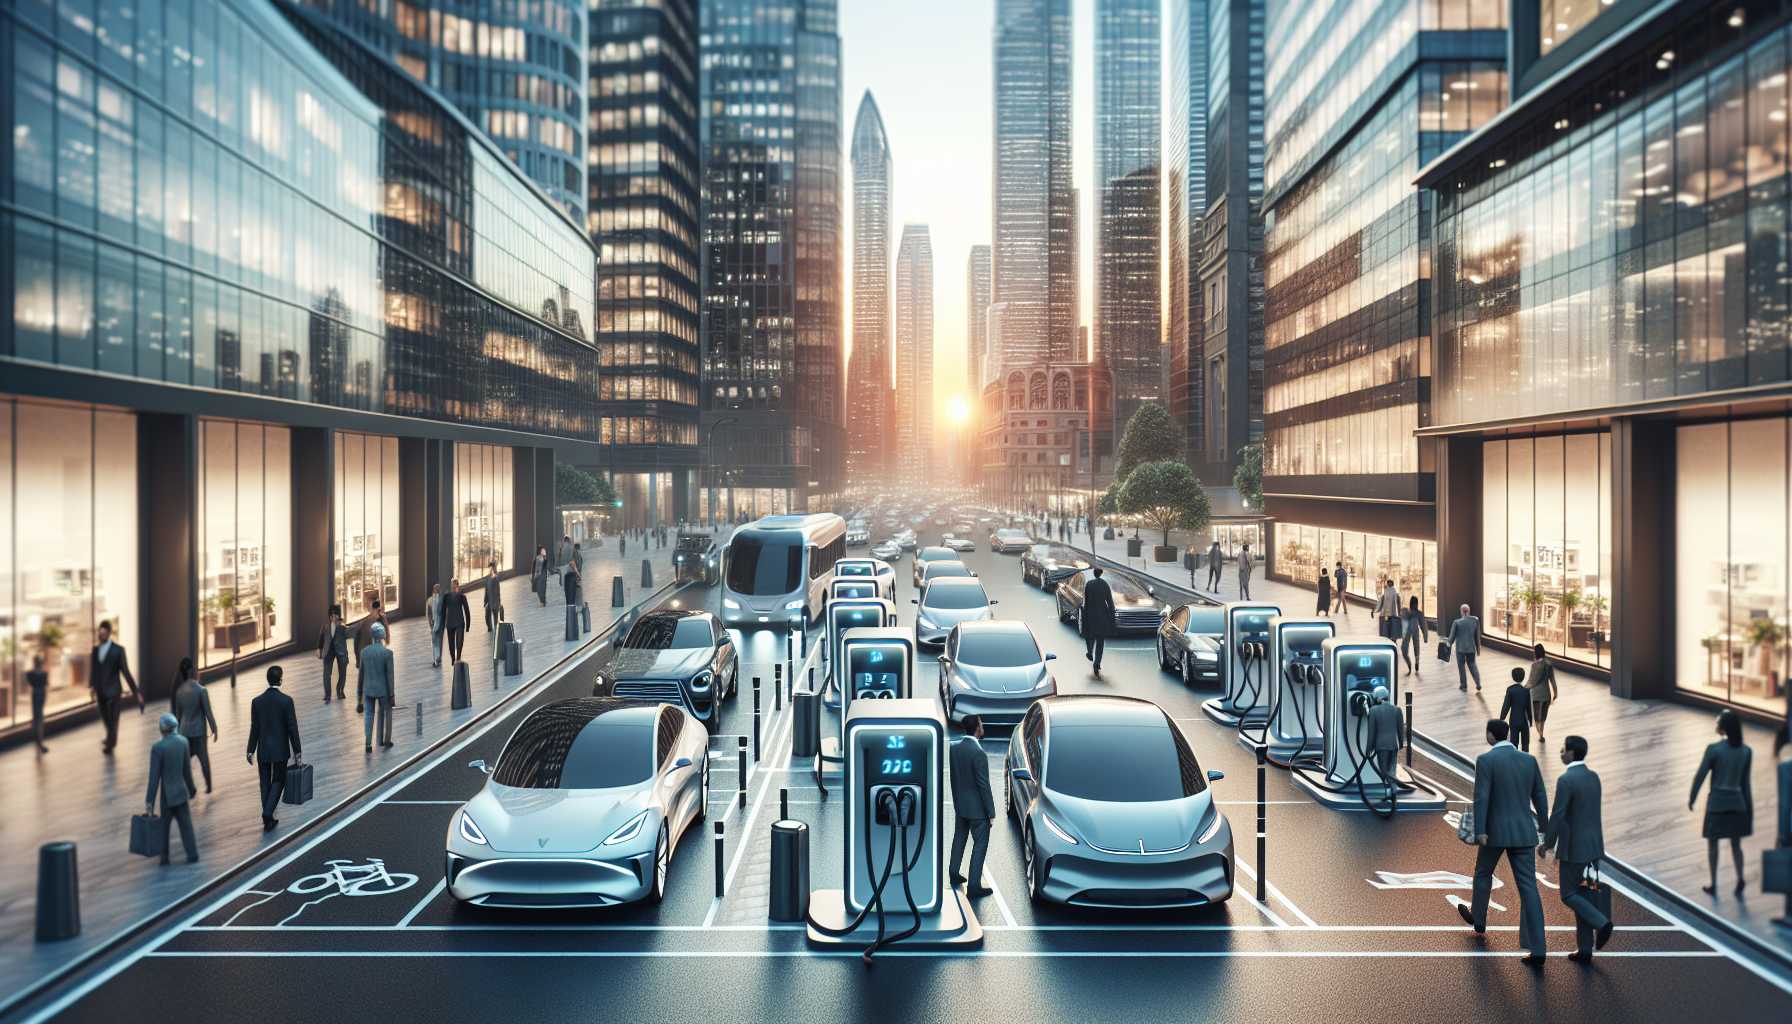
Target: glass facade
<point x="365" y="523"/>
<point x="913" y="344"/>
<point x="868" y="398"/>
<point x="68" y="546"/>
<point x="484" y="524"/>
<point x="1128" y="320"/>
<point x="1546" y="544"/>
<point x="244" y="525"/>
<point x="1302" y="550"/>
<point x="1558" y="20"/>
<point x="1633" y="247"/>
<point x="1731" y="569"/>
<point x="1185" y="200"/>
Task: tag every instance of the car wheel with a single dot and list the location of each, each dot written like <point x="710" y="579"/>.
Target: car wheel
<point x="1030" y="859"/>
<point x="662" y="860"/>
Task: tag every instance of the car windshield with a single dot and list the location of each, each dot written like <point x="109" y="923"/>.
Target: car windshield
<point x="1206" y="620"/>
<point x="1061" y="554"/>
<point x="1115" y="762"/>
<point x="667" y="632"/>
<point x="1012" y="534"/>
<point x="1125" y="587"/>
<point x="944" y="568"/>
<point x="998" y="649"/>
<point x="929" y="553"/>
<point x="564" y="748"/>
<point x="954" y="596"/>
<point x="697" y="544"/>
<point x="765" y="564"/>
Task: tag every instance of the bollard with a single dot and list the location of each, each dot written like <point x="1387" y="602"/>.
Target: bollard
<point x="721" y="863"/>
<point x="506" y="633"/>
<point x="647" y="574"/>
<point x="59" y="892"/>
<point x="743" y="772"/>
<point x="1408" y="729"/>
<point x="804" y="728"/>
<point x="783" y="804"/>
<point x="419" y="707"/>
<point x="616" y="599"/>
<point x="777" y="687"/>
<point x="1262" y="832"/>
<point x="572" y="623"/>
<point x="789" y="645"/>
<point x="584" y="618"/>
<point x="463" y="687"/>
<point x="790" y="871"/>
<point x="513" y="658"/>
<point x="755" y="719"/>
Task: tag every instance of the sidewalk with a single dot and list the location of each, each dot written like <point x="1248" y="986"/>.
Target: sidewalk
<point x="1646" y="751"/>
<point x="74" y="793"/>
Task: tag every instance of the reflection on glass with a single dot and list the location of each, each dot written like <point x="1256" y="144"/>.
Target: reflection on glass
<point x="366" y="523"/>
<point x="1302" y="551"/>
<point x="245" y="538"/>
<point x="482" y="501"/>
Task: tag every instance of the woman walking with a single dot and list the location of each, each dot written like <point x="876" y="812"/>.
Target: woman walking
<point x="538" y="575"/>
<point x="1415" y="632"/>
<point x="1542" y="684"/>
<point x="1730" y="807"/>
<point x="39" y="681"/>
<point x="1325" y="593"/>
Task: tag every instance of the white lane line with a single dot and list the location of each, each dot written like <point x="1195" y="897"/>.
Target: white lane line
<point x="1006" y="954"/>
<point x="423" y="803"/>
<point x="1001" y="904"/>
<point x="1012" y="927"/>
<point x="435" y="890"/>
<point x="1274" y="893"/>
<point x="1252" y="900"/>
<point x="784" y="718"/>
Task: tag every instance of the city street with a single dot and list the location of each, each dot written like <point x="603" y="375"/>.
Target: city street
<point x="356" y="923"/>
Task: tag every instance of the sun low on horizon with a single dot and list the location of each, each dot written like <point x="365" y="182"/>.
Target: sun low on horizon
<point x="958" y="411"/>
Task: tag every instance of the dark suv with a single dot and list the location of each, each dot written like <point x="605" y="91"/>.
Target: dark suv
<point x="697" y="559"/>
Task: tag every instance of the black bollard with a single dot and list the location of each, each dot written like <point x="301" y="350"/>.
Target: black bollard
<point x="777" y="687"/>
<point x="1408" y="731"/>
<point x="419" y="717"/>
<point x="513" y="658"/>
<point x="742" y="753"/>
<point x="463" y="687"/>
<point x="58" y="892"/>
<point x="783" y="804"/>
<point x="804" y="727"/>
<point x="572" y="623"/>
<point x="790" y="871"/>
<point x="647" y="574"/>
<point x="721" y="863"/>
<point x="755" y="719"/>
<point x="616" y="598"/>
<point x="1262" y="830"/>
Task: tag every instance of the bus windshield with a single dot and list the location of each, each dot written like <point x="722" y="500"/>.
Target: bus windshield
<point x="765" y="564"/>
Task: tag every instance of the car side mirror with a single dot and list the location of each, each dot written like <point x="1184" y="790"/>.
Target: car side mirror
<point x="1151" y="590"/>
<point x="995" y="600"/>
<point x="683" y="762"/>
<point x="1021" y="775"/>
<point x="1214" y="775"/>
<point x="480" y="766"/>
<point x="1051" y="656"/>
<point x="914" y="600"/>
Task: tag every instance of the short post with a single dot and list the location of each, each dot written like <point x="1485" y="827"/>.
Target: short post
<point x="1262" y="824"/>
<point x="572" y="623"/>
<point x="58" y="892"/>
<point x="647" y="574"/>
<point x="742" y="754"/>
<point x="790" y="645"/>
<point x="419" y="707"/>
<point x="462" y="694"/>
<point x="721" y="863"/>
<point x="755" y="719"/>
<point x="783" y="804"/>
<point x="1409" y="728"/>
<point x="777" y="687"/>
<point x="616" y="598"/>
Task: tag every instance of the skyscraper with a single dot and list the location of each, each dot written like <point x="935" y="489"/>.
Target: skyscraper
<point x="1033" y="252"/>
<point x="643" y="219"/>
<point x="1127" y="286"/>
<point x="771" y="262"/>
<point x="868" y="382"/>
<point x="914" y="352"/>
<point x="976" y="290"/>
<point x="517" y="70"/>
<point x="1185" y="200"/>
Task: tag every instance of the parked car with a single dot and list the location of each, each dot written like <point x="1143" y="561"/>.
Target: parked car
<point x="993" y="669"/>
<point x="676" y="656"/>
<point x="1190" y="641"/>
<point x="1135" y="604"/>
<point x="1008" y="539"/>
<point x="1045" y="565"/>
<point x="886" y="551"/>
<point x="957" y="543"/>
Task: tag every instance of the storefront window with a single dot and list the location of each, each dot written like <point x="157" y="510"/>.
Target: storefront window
<point x="482" y="501"/>
<point x="245" y="538"/>
<point x="366" y="523"/>
<point x="1302" y="552"/>
<point x="68" y="545"/>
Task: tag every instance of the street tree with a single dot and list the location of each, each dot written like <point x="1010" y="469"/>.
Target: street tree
<point x="1248" y="477"/>
<point x="574" y="486"/>
<point x="1166" y="495"/>
<point x="1151" y="436"/>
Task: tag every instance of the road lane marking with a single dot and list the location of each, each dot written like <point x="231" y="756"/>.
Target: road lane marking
<point x="423" y="803"/>
<point x="1009" y="954"/>
<point x="786" y="717"/>
<point x="1141" y="927"/>
<point x="435" y="890"/>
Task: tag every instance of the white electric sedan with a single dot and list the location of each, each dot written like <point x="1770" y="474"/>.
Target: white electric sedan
<point x="945" y="603"/>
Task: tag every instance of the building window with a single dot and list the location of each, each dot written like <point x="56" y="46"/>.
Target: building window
<point x="68" y="546"/>
<point x="367" y="523"/>
<point x="245" y="538"/>
<point x="482" y="502"/>
<point x="1303" y="552"/>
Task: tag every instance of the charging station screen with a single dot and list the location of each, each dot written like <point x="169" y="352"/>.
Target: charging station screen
<point x="876" y="669"/>
<point x="1253" y="623"/>
<point x="851" y="618"/>
<point x="1364" y="672"/>
<point x="892" y="758"/>
<point x="852" y="570"/>
<point x="856" y="590"/>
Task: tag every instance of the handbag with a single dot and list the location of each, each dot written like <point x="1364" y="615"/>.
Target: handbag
<point x="1465" y="826"/>
<point x="298" y="783"/>
<point x="146" y="835"/>
<point x="1593" y="889"/>
<point x="1776" y="870"/>
<point x="1443" y="650"/>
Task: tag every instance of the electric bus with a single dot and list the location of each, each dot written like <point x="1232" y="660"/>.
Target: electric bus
<point x="777" y="570"/>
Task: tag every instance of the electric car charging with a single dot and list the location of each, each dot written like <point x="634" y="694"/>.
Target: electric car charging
<point x="1246" y="657"/>
<point x="1294" y="727"/>
<point x="844" y="614"/>
<point x="1358" y="675"/>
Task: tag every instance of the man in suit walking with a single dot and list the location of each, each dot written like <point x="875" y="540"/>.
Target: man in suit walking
<point x="1465" y="640"/>
<point x="1386" y="726"/>
<point x="273" y="739"/>
<point x="973" y="804"/>
<point x="1578" y="838"/>
<point x="332" y="649"/>
<point x="1244" y="573"/>
<point x="381" y="689"/>
<point x="1516" y="710"/>
<point x="168" y="778"/>
<point x="109" y="665"/>
<point x="1340" y="587"/>
<point x="1509" y="806"/>
<point x="1097" y="618"/>
<point x="494" y="601"/>
<point x="363" y="637"/>
<point x="459" y="617"/>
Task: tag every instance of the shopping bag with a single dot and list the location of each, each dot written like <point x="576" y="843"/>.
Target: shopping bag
<point x="298" y="783"/>
<point x="146" y="835"/>
<point x="1443" y="651"/>
<point x="1592" y="886"/>
<point x="1776" y="870"/>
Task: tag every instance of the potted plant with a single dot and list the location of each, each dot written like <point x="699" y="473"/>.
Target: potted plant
<point x="1165" y="495"/>
<point x="267" y="613"/>
<point x="1529" y="597"/>
<point x="1766" y="636"/>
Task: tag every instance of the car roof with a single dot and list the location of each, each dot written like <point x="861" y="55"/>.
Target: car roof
<point x="1011" y="627"/>
<point x="955" y="581"/>
<point x="1102" y="709"/>
<point x="615" y="711"/>
<point x="933" y="562"/>
<point x="938" y="547"/>
<point x="673" y="613"/>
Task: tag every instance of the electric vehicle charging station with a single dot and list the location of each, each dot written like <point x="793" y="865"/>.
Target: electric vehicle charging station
<point x="863" y="586"/>
<point x="1246" y="659"/>
<point x="872" y="663"/>
<point x="846" y="613"/>
<point x="895" y="815"/>
<point x="1352" y="781"/>
<point x="1295" y="726"/>
<point x="876" y="569"/>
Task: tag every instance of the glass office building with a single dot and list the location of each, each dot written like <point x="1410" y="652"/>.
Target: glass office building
<point x="1128" y="282"/>
<point x="869" y="396"/>
<point x="1612" y="359"/>
<point x="260" y="284"/>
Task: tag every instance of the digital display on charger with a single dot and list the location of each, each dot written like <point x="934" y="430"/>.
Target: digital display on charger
<point x="856" y="590"/>
<point x="876" y="670"/>
<point x="854" y="570"/>
<point x="894" y="757"/>
<point x="1364" y="672"/>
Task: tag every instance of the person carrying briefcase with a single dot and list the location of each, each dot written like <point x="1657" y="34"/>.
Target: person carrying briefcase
<point x="146" y="835"/>
<point x="298" y="783"/>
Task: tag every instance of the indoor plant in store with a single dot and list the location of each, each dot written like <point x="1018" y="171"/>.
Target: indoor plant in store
<point x="1767" y="637"/>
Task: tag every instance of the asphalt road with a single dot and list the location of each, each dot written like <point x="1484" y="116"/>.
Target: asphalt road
<point x="1358" y="923"/>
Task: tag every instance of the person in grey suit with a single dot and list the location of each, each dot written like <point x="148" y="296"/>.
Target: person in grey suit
<point x="1215" y="562"/>
<point x="332" y="649"/>
<point x="381" y="687"/>
<point x="1506" y="780"/>
<point x="972" y="802"/>
<point x="1244" y="573"/>
<point x="1465" y="641"/>
<point x="494" y="601"/>
<point x="192" y="706"/>
<point x="1386" y="726"/>
<point x="273" y="738"/>
<point x="1578" y="838"/>
<point x="168" y="779"/>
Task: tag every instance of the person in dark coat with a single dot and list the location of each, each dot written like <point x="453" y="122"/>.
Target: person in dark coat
<point x="1510" y="807"/>
<point x="192" y="707"/>
<point x="1097" y="618"/>
<point x="273" y="740"/>
<point x="109" y="665"/>
<point x="169" y="779"/>
<point x="538" y="575"/>
<point x="1730" y="807"/>
<point x="363" y="637"/>
<point x="1516" y="711"/>
<point x="39" y="681"/>
<point x="973" y="803"/>
<point x="1215" y="558"/>
<point x="569" y="582"/>
<point x="1325" y="593"/>
<point x="458" y="614"/>
<point x="332" y="649"/>
<point x="494" y="598"/>
<point x="1577" y="835"/>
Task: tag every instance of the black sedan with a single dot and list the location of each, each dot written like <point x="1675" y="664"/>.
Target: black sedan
<point x="1189" y="643"/>
<point x="696" y="558"/>
<point x="681" y="657"/>
<point x="1045" y="565"/>
<point x="1135" y="604"/>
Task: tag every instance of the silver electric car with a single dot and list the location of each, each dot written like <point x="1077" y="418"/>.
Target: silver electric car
<point x="941" y="568"/>
<point x="945" y="603"/>
<point x="1113" y="808"/>
<point x="931" y="553"/>
<point x="995" y="670"/>
<point x="584" y="808"/>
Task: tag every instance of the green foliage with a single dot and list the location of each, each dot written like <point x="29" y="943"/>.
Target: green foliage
<point x="1248" y="477"/>
<point x="1166" y="495"/>
<point x="574" y="486"/>
<point x="1109" y="505"/>
<point x="1151" y="436"/>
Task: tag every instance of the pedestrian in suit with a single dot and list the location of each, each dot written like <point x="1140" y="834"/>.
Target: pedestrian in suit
<point x="273" y="739"/>
<point x="1415" y="632"/>
<point x="168" y="779"/>
<point x="972" y="803"/>
<point x="1578" y="838"/>
<point x="1515" y="710"/>
<point x="1097" y="618"/>
<point x="192" y="707"/>
<point x="1730" y="809"/>
<point x="621" y="544"/>
<point x="1325" y="592"/>
<point x="433" y="608"/>
<point x="1215" y="562"/>
<point x="364" y="637"/>
<point x="1387" y="610"/>
<point x="578" y="557"/>
<point x="1542" y="685"/>
<point x="1506" y="781"/>
<point x="459" y="616"/>
<point x="381" y="689"/>
<point x="538" y="575"/>
<point x="1465" y="640"/>
<point x="1340" y="589"/>
<point x="1244" y="572"/>
<point x="494" y="601"/>
<point x="109" y="665"/>
<point x="569" y="582"/>
<point x="332" y="649"/>
<point x="39" y="681"/>
<point x="1386" y="727"/>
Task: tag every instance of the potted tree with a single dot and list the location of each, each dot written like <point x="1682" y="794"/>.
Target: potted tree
<point x="1166" y="496"/>
<point x="1530" y="598"/>
<point x="1766" y="636"/>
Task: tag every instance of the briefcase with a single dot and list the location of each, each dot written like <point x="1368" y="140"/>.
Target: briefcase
<point x="1592" y="886"/>
<point x="1465" y="826"/>
<point x="298" y="784"/>
<point x="1443" y="651"/>
<point x="1776" y="870"/>
<point x="146" y="835"/>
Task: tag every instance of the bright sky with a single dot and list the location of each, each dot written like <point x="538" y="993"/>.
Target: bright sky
<point x="930" y="65"/>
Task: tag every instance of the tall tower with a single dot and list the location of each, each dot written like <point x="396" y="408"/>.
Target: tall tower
<point x="1127" y="296"/>
<point x="914" y="352"/>
<point x="868" y="379"/>
<point x="1185" y="200"/>
<point x="976" y="290"/>
<point x="1033" y="261"/>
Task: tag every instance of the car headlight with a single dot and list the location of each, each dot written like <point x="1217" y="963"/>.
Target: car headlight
<point x="470" y="832"/>
<point x="701" y="682"/>
<point x="628" y="831"/>
<point x="1212" y="829"/>
<point x="678" y="558"/>
<point x="1057" y="829"/>
<point x="1206" y="656"/>
<point x="729" y="602"/>
<point x="791" y="606"/>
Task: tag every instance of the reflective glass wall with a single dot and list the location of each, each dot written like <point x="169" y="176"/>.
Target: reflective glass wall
<point x="1546" y="549"/>
<point x="366" y="523"/>
<point x="68" y="546"/>
<point x="1731" y="571"/>
<point x="244" y="523"/>
<point x="1302" y="551"/>
<point x="483" y="524"/>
